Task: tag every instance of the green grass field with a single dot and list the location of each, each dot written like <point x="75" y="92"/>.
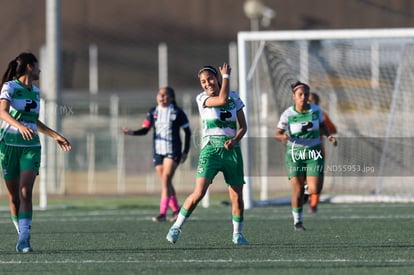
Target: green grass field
<point x="116" y="235"/>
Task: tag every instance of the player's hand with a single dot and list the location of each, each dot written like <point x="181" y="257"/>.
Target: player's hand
<point x="229" y="144"/>
<point x="225" y="69"/>
<point x="333" y="140"/>
<point x="284" y="139"/>
<point x="63" y="143"/>
<point x="26" y="132"/>
<point x="126" y="131"/>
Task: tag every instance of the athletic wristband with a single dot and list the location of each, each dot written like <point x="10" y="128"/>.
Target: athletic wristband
<point x="226" y="76"/>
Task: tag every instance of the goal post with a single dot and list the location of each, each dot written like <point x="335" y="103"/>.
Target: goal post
<point x="364" y="78"/>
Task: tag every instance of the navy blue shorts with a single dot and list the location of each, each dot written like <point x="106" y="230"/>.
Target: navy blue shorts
<point x="158" y="159"/>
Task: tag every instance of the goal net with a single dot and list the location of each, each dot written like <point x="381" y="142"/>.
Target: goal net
<point x="365" y="81"/>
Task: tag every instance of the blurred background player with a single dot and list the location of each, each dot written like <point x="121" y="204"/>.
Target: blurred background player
<point x="166" y="118"/>
<point x="314" y="198"/>
<point x="300" y="127"/>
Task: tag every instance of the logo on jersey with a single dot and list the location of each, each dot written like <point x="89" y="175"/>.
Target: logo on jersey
<point x="200" y="170"/>
<point x="30" y="105"/>
<point x="224" y="114"/>
<point x="306" y="126"/>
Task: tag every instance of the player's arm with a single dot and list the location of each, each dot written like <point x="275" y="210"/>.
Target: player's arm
<point x="241" y="131"/>
<point x="328" y="122"/>
<point x="281" y="136"/>
<point x="187" y="140"/>
<point x="63" y="143"/>
<point x="281" y="130"/>
<point x="325" y="131"/>
<point x="146" y="126"/>
<point x="223" y="96"/>
<point x="139" y="132"/>
<point x="26" y="132"/>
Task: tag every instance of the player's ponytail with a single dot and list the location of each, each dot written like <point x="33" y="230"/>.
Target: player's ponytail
<point x="18" y="66"/>
<point x="10" y="72"/>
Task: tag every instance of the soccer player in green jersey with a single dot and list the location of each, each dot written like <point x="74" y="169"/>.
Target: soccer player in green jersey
<point x="220" y="111"/>
<point x="300" y="127"/>
<point x="19" y="140"/>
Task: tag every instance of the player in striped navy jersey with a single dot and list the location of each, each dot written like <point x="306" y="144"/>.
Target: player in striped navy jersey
<point x="167" y="119"/>
<point x="20" y="145"/>
<point x="300" y="127"/>
<point x="220" y="111"/>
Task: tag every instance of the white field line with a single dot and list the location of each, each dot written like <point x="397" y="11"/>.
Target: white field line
<point x="253" y="261"/>
<point x="146" y="216"/>
<point x="251" y="219"/>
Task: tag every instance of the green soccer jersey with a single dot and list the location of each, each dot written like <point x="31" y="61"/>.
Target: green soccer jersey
<point x="24" y="107"/>
<point x="219" y="122"/>
<point x="303" y="128"/>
